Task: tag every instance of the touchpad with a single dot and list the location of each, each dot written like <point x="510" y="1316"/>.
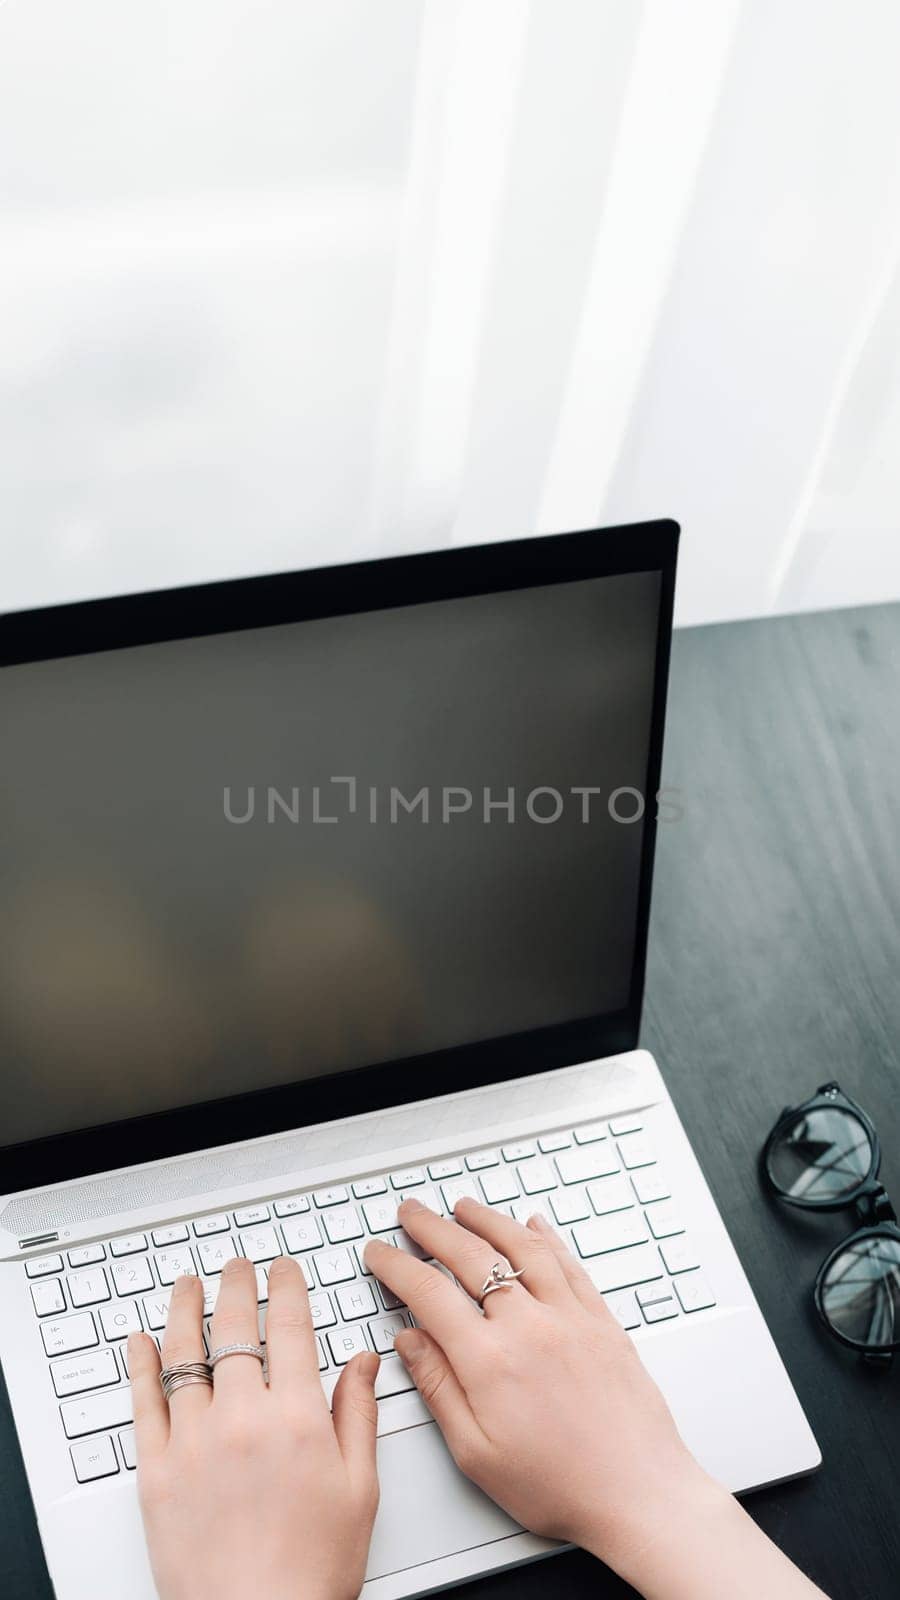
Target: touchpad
<point x="428" y="1509"/>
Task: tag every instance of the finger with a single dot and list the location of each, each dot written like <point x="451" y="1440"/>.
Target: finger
<point x="543" y="1276"/>
<point x="151" y="1413"/>
<point x="441" y="1390"/>
<point x="183" y="1341"/>
<point x="290" y="1341"/>
<point x="469" y="1257"/>
<point x="578" y="1280"/>
<point x="355" y="1414"/>
<point x="434" y="1301"/>
<point x="236" y="1321"/>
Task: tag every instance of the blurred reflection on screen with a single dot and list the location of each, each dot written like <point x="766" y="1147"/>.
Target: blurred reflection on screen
<point x="171" y="933"/>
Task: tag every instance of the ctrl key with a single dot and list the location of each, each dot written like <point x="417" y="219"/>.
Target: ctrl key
<point x="94" y="1458"/>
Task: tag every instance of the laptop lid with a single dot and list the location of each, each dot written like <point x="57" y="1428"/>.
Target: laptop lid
<point x="292" y="847"/>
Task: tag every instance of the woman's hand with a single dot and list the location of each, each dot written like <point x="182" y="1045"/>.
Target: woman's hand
<point x="249" y="1489"/>
<point x="543" y="1400"/>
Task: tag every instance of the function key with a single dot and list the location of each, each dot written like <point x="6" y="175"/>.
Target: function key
<point x="204" y="1226"/>
<point x="460" y="1189"/>
<point x="87" y="1256"/>
<point x="439" y="1170"/>
<point x="251" y="1216"/>
<point x="407" y="1178"/>
<point x="481" y="1159"/>
<point x="293" y="1206"/>
<point x="518" y="1152"/>
<point x="42" y="1266"/>
<point x="176" y="1234"/>
<point x="365" y="1188"/>
<point x="590" y="1132"/>
<point x="48" y="1297"/>
<point x="94" y="1458"/>
<point x="620" y="1125"/>
<point x="128" y="1244"/>
<point x="499" y="1185"/>
<point x="551" y="1142"/>
<point x="337" y="1196"/>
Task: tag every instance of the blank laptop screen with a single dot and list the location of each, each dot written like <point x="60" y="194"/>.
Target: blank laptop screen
<point x="253" y="858"/>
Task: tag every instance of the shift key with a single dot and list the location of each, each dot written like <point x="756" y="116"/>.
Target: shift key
<point x="93" y="1412"/>
<point x="623" y="1268"/>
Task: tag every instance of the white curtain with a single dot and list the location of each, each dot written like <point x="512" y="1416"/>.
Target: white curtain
<point x="289" y="284"/>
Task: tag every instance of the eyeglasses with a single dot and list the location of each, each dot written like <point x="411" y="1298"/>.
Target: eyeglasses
<point x="824" y="1155"/>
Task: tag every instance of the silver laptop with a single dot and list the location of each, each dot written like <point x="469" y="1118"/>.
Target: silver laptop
<point x="319" y="890"/>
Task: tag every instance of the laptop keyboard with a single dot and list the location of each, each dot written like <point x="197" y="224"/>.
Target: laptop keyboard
<point x="599" y="1184"/>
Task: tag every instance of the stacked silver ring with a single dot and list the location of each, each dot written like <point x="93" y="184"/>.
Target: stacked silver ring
<point x="225" y="1350"/>
<point x="183" y="1374"/>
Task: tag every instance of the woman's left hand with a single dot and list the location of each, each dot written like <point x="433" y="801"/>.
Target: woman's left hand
<point x="250" y="1488"/>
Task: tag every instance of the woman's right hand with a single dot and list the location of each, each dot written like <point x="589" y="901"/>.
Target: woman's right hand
<point x="544" y="1402"/>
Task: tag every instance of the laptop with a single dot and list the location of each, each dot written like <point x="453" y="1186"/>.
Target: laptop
<point x="321" y="889"/>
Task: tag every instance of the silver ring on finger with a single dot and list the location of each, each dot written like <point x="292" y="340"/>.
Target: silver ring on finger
<point x="226" y="1350"/>
<point x="499" y="1277"/>
<point x="184" y="1373"/>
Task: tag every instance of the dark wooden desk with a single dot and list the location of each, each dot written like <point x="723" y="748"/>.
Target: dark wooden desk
<point x="775" y="965"/>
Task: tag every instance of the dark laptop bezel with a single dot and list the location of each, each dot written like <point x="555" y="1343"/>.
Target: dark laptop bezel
<point x="161" y="615"/>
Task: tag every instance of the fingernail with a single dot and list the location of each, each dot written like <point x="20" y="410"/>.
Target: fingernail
<point x="367" y="1365"/>
<point x="411" y="1203"/>
<point x="132" y="1345"/>
<point x="233" y="1265"/>
<point x="183" y="1281"/>
<point x="539" y="1222"/>
<point x="413" y="1346"/>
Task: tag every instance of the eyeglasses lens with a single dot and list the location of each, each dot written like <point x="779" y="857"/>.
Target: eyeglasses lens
<point x="826" y="1153"/>
<point x="860" y="1293"/>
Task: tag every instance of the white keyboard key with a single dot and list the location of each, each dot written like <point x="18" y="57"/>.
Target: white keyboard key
<point x="336" y="1196"/>
<point x="43" y="1266"/>
<point x="172" y="1264"/>
<point x="636" y="1151"/>
<point x="459" y="1188"/>
<point x="536" y="1177"/>
<point x="292" y="1206"/>
<point x="610" y="1194"/>
<point x="120" y="1319"/>
<point x="407" y="1178"/>
<point x="625" y="1309"/>
<point x="498" y="1185"/>
<point x="365" y="1188"/>
<point x="355" y="1300"/>
<point x="156" y="1310"/>
<point x="214" y="1253"/>
<point x="383" y="1332"/>
<point x="252" y="1216"/>
<point x="345" y="1343"/>
<point x="551" y="1142"/>
<point x="334" y="1266"/>
<point x="204" y="1226"/>
<point x="94" y="1412"/>
<point x="389" y="1300"/>
<point x="570" y="1205"/>
<point x="69" y="1333"/>
<point x="481" y="1159"/>
<point x="129" y="1244"/>
<point x="519" y="1151"/>
<point x="342" y="1224"/>
<point x="128" y="1448"/>
<point x="359" y="1250"/>
<point x="679" y="1255"/>
<point x="590" y="1132"/>
<point x="615" y="1232"/>
<point x="322" y="1311"/>
<point x="133" y="1275"/>
<point x="694" y="1292"/>
<point x="439" y="1170"/>
<point x="381" y="1214"/>
<point x="261" y="1244"/>
<point x="664" y="1220"/>
<point x="402" y="1241"/>
<point x="77" y="1374"/>
<point x="623" y="1125"/>
<point x="305" y="1267"/>
<point x="427" y="1196"/>
<point x="393" y="1378"/>
<point x="301" y="1233"/>
<point x="622" y="1269"/>
<point x="523" y="1210"/>
<point x="88" y="1288"/>
<point x="87" y="1256"/>
<point x="660" y="1310"/>
<point x="94" y="1458"/>
<point x="323" y="1359"/>
<point x="175" y="1233"/>
<point x="48" y="1297"/>
<point x="650" y="1185"/>
<point x="586" y="1162"/>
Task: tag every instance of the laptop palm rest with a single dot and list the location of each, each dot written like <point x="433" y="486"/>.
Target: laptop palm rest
<point x="428" y="1509"/>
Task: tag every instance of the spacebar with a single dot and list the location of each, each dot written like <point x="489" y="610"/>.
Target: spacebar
<point x="399" y="1404"/>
